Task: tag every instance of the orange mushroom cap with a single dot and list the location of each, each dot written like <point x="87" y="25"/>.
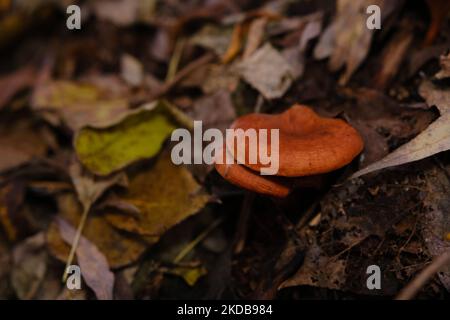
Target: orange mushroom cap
<point x="250" y="180"/>
<point x="308" y="144"/>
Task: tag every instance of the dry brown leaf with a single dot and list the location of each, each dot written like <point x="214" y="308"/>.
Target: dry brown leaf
<point x="89" y="187"/>
<point x="213" y="38"/>
<point x="438" y="13"/>
<point x="20" y="142"/>
<point x="268" y="72"/>
<point x="124" y="12"/>
<point x="81" y="104"/>
<point x="13" y="83"/>
<point x="319" y="271"/>
<point x="216" y="110"/>
<point x="132" y="70"/>
<point x="255" y="36"/>
<point x="165" y="195"/>
<point x="93" y="264"/>
<point x="29" y="266"/>
<point x="434" y="139"/>
<point x="393" y="56"/>
<point x="347" y="40"/>
<point x="445" y="67"/>
<point x="220" y="77"/>
<point x="119" y="249"/>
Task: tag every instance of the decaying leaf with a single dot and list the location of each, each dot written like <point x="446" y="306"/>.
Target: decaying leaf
<point x="21" y="141"/>
<point x="216" y="110"/>
<point x="319" y="271"/>
<point x="268" y="72"/>
<point x="161" y="205"/>
<point x="139" y="136"/>
<point x="221" y="77"/>
<point x="13" y="83"/>
<point x="124" y="12"/>
<point x="213" y="38"/>
<point x="89" y="188"/>
<point x="445" y="67"/>
<point x="434" y="139"/>
<point x="120" y="249"/>
<point x="255" y="36"/>
<point x="132" y="70"/>
<point x="93" y="264"/>
<point x="29" y="266"/>
<point x="347" y="40"/>
<point x="393" y="56"/>
<point x="80" y="104"/>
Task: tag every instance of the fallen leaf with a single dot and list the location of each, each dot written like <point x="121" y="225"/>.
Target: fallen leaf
<point x="15" y="82"/>
<point x="255" y="36"/>
<point x="213" y="38"/>
<point x="124" y="12"/>
<point x="347" y="39"/>
<point x="380" y="120"/>
<point x="80" y="104"/>
<point x="11" y="200"/>
<point x="93" y="264"/>
<point x="89" y="188"/>
<point x="216" y="110"/>
<point x="445" y="67"/>
<point x="132" y="70"/>
<point x="394" y="55"/>
<point x="434" y="139"/>
<point x="120" y="249"/>
<point x="162" y="205"/>
<point x="438" y="11"/>
<point x="221" y="77"/>
<point x="268" y="72"/>
<point x="295" y="55"/>
<point x="29" y="266"/>
<point x="21" y="140"/>
<point x="139" y="136"/>
<point x="318" y="271"/>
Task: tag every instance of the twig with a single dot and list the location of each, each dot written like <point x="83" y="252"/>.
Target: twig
<point x="166" y="87"/>
<point x="76" y="239"/>
<point x="420" y="280"/>
<point x="242" y="227"/>
<point x="175" y="60"/>
<point x="183" y="253"/>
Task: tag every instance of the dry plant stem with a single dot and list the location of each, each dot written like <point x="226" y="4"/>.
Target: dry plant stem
<point x="175" y="60"/>
<point x="419" y="281"/>
<point x="76" y="239"/>
<point x="183" y="253"/>
<point x="242" y="227"/>
<point x="167" y="86"/>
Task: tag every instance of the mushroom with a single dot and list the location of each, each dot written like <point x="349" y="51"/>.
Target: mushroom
<point x="309" y="145"/>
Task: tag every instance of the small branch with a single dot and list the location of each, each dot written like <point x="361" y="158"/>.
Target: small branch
<point x="175" y="60"/>
<point x="426" y="274"/>
<point x="76" y="240"/>
<point x="242" y="227"/>
<point x="183" y="253"/>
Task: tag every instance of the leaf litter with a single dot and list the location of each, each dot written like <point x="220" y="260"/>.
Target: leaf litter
<point x="86" y="119"/>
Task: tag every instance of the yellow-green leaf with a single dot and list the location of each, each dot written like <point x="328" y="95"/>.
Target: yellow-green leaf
<point x="139" y="136"/>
